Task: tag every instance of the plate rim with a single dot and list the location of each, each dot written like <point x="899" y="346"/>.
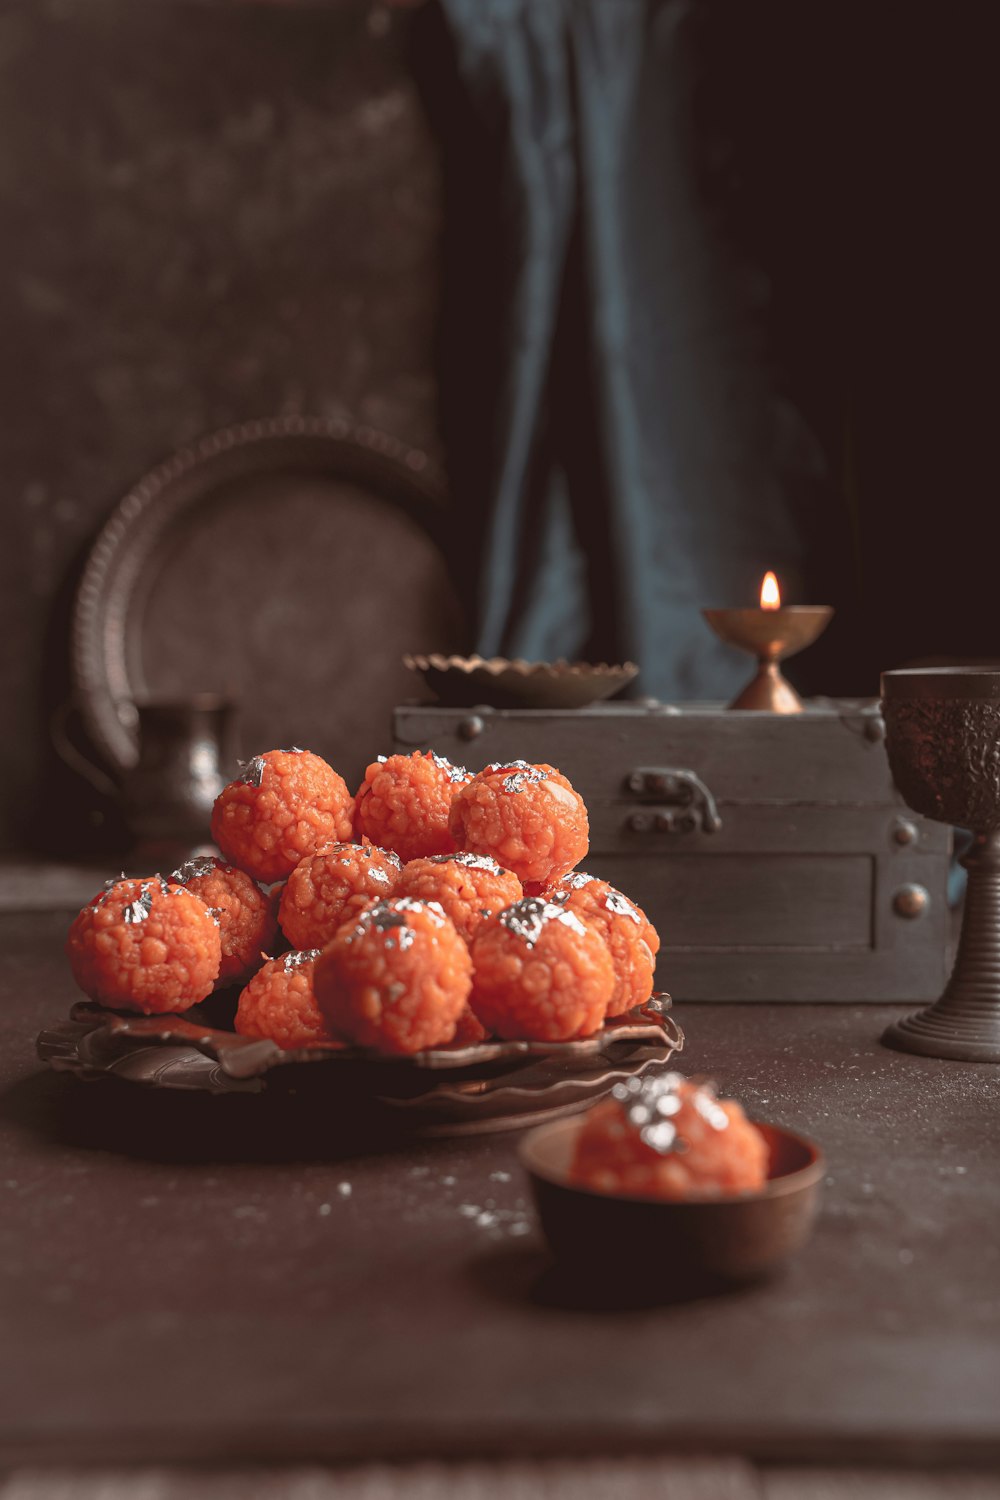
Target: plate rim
<point x="255" y="1057"/>
<point x="114" y="563"/>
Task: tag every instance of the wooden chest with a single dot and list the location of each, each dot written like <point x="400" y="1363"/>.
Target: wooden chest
<point x="772" y="852"/>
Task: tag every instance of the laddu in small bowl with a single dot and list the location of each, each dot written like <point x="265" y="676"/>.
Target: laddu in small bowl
<point x="669" y="1245"/>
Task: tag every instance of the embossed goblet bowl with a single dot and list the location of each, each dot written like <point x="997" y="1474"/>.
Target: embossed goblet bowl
<point x="943" y="740"/>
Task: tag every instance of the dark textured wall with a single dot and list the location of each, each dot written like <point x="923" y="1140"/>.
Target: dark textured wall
<point x="221" y="209"/>
<point x="210" y="212"/>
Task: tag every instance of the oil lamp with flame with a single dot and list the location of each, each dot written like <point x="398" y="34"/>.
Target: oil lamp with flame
<point x="770" y="633"/>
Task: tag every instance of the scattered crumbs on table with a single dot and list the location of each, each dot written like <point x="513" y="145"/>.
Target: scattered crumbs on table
<point x="149" y="1202"/>
<point x="419" y="1171"/>
<point x="344" y="1189"/>
<point x="499" y="1176"/>
<point x="324" y="1209"/>
<point x="447" y="1181"/>
<point x="249" y="1211"/>
<point x="499" y="1221"/>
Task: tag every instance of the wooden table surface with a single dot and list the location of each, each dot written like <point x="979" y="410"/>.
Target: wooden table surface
<point x="203" y="1280"/>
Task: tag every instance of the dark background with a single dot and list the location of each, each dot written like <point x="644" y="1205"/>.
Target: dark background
<point x="213" y="211"/>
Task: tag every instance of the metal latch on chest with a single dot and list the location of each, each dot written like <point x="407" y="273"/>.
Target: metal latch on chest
<point x="674" y="801"/>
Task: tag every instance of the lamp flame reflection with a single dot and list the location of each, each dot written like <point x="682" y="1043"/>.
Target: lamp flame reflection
<point x="770" y="594"/>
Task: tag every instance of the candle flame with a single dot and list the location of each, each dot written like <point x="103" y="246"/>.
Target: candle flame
<point x="770" y="594"/>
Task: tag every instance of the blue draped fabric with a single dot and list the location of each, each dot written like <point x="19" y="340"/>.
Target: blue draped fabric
<point x="621" y="450"/>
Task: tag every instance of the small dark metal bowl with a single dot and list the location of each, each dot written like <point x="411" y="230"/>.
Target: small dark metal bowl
<point x="697" y="1244"/>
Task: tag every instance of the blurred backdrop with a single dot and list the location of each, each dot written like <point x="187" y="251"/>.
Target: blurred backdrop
<point x="668" y="291"/>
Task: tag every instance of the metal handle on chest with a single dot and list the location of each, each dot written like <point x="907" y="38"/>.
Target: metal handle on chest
<point x="686" y="802"/>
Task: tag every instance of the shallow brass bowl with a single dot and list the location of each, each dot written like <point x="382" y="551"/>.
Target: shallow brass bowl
<point x="465" y="681"/>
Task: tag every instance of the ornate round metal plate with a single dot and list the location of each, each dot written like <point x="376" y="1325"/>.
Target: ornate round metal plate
<point x="490" y="1086"/>
<point x="246" y="561"/>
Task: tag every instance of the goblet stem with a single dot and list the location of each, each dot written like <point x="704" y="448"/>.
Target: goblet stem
<point x="965" y="1023"/>
<point x="769" y="690"/>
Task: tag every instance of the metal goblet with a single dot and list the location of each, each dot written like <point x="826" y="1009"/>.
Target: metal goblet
<point x="943" y="741"/>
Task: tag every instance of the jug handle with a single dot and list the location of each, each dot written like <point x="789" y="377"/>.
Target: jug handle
<point x="71" y="756"/>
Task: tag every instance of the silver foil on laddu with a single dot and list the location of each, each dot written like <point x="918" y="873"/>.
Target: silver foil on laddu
<point x="410" y="903"/>
<point x="139" y="909"/>
<point x="621" y="906"/>
<point x="453" y="772"/>
<point x="369" y="852"/>
<point x="293" y="961"/>
<point x="252" y="771"/>
<point x="650" y="1103"/>
<point x="194" y="869"/>
<point x="390" y="916"/>
<point x="469" y="860"/>
<point x="109" y="886"/>
<point x="614" y="901"/>
<point x="522" y="774"/>
<point x="528" y="919"/>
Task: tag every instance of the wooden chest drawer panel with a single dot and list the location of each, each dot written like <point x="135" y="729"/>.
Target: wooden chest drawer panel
<point x="760" y="901"/>
<point x="745" y="828"/>
<point x="849" y="977"/>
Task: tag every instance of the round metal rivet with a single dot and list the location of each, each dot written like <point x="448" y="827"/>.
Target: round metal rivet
<point x="911" y="901"/>
<point x="471" y="728"/>
<point x="903" y="831"/>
